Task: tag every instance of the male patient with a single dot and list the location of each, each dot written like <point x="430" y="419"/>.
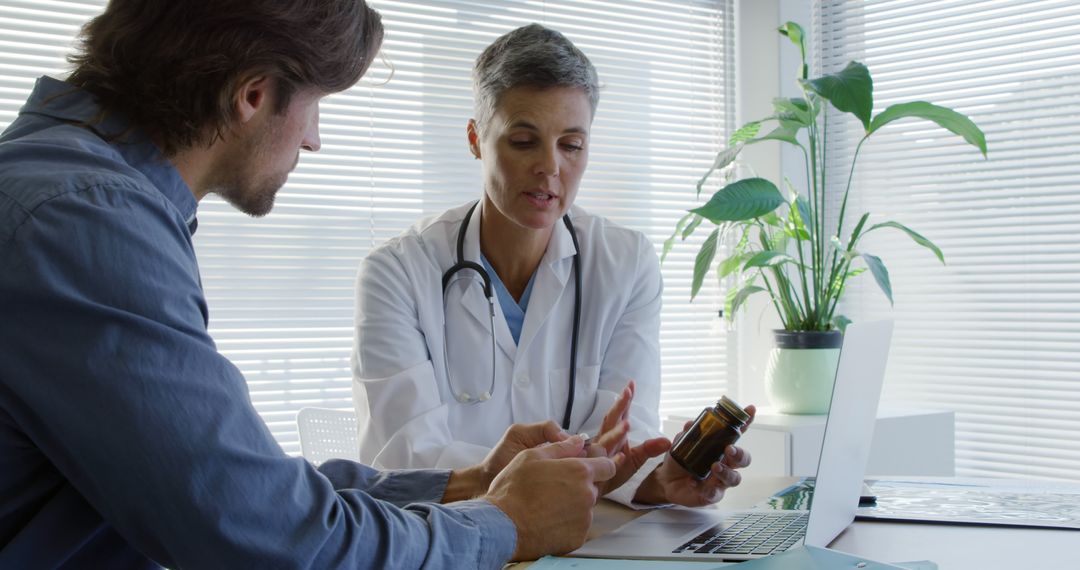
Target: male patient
<point x="126" y="439"/>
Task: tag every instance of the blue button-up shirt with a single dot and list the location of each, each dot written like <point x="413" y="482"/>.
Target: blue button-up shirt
<point x="126" y="439"/>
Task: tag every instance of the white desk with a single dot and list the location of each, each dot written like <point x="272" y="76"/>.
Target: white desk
<point x="952" y="547"/>
<point x="906" y="442"/>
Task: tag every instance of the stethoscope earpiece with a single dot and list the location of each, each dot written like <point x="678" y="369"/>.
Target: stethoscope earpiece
<point x="464" y="397"/>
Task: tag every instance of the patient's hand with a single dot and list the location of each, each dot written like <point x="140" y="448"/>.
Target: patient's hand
<point x="612" y="441"/>
<point x="670" y="483"/>
<point x="518" y="438"/>
<point x="474" y="481"/>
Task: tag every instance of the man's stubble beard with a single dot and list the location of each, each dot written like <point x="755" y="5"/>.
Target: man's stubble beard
<point x="252" y="192"/>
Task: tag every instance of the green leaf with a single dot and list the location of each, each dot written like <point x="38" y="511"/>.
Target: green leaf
<point x="837" y="287"/>
<point x="741" y="200"/>
<point x="703" y="261"/>
<point x="795" y="109"/>
<point x="736" y="297"/>
<point x="851" y="91"/>
<point x="779" y="241"/>
<point x="947" y="118"/>
<point x="880" y="273"/>
<point x="791" y="125"/>
<point x="803" y="207"/>
<point x="782" y="133"/>
<point x="670" y="242"/>
<point x="723" y="158"/>
<point x="744" y="241"/>
<point x="768" y="259"/>
<point x="793" y="232"/>
<point x="794" y="32"/>
<point x="693" y="225"/>
<point x="773" y="219"/>
<point x="848" y="253"/>
<point x="919" y="239"/>
<point x="855" y="233"/>
<point x="745" y="133"/>
<point x="729" y="265"/>
<point x="841" y="322"/>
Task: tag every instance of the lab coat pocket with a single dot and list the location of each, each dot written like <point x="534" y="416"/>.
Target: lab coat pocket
<point x="585" y="387"/>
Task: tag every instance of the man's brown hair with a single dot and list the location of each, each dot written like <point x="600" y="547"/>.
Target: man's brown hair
<point x="172" y="67"/>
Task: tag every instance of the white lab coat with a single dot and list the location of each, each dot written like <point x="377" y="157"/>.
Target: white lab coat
<point x="409" y="417"/>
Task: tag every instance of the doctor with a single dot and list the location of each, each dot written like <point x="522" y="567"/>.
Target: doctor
<point x="520" y="307"/>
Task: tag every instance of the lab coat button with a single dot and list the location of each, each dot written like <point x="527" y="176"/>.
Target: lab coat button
<point x="522" y="380"/>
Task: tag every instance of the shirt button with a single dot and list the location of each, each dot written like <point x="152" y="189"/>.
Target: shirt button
<point x="522" y="380"/>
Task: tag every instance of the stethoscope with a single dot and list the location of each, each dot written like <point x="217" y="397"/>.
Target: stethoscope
<point x="463" y="396"/>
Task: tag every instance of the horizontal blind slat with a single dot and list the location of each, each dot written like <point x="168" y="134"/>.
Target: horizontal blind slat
<point x="992" y="334"/>
<point x="280" y="289"/>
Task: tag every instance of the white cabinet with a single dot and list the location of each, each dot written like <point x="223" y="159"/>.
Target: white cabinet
<point x="906" y="442"/>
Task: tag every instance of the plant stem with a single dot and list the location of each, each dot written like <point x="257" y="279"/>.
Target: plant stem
<point x="797" y="304"/>
<point x="817" y="260"/>
<point x="799" y="243"/>
<point x="783" y="286"/>
<point x="844" y="265"/>
<point x="824" y="194"/>
<point x="772" y="296"/>
<point x="837" y="264"/>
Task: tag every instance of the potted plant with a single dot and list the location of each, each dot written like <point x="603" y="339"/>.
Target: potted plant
<point x="784" y="246"/>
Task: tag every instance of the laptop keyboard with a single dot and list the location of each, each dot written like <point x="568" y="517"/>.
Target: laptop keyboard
<point x="752" y="533"/>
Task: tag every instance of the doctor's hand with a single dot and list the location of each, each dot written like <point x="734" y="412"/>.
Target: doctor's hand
<point x="612" y="441"/>
<point x="549" y="492"/>
<point x="670" y="483"/>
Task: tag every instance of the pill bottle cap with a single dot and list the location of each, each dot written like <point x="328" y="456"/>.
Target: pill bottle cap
<point x="732" y="409"/>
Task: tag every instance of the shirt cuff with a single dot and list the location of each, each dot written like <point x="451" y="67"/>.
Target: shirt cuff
<point x="498" y="535"/>
<point x="399" y="486"/>
<point x="625" y="494"/>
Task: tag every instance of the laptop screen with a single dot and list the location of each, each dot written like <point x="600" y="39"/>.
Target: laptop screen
<point x="845" y="447"/>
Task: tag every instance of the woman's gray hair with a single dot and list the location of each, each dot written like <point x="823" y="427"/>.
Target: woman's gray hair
<point x="530" y="56"/>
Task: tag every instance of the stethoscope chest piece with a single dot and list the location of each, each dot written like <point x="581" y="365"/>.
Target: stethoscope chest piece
<point x="466" y="398"/>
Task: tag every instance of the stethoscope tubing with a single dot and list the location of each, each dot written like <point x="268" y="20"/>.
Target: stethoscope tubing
<point x="463" y="264"/>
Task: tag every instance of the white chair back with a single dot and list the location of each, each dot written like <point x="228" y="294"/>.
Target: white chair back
<point x="328" y="434"/>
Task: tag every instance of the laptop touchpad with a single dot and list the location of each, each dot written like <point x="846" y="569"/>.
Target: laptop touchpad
<point x="659" y="529"/>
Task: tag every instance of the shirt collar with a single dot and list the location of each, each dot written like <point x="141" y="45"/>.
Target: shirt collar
<point x="559" y="251"/>
<point x="561" y="245"/>
<point x="65" y="102"/>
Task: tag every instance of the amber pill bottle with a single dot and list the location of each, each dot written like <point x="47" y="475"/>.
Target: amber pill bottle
<point x="713" y="430"/>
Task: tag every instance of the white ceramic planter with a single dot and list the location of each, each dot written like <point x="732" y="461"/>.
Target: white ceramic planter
<point x="801" y="369"/>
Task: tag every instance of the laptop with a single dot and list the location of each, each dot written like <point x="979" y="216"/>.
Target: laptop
<point x="712" y="533"/>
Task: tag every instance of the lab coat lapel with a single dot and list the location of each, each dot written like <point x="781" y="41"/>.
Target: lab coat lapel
<point x="474" y="301"/>
<point x="550" y="285"/>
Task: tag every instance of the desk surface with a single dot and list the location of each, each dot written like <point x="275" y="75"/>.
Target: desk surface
<point x="952" y="547"/>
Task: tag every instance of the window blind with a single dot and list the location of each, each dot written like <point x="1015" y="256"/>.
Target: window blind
<point x="281" y="288"/>
<point x="994" y="333"/>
